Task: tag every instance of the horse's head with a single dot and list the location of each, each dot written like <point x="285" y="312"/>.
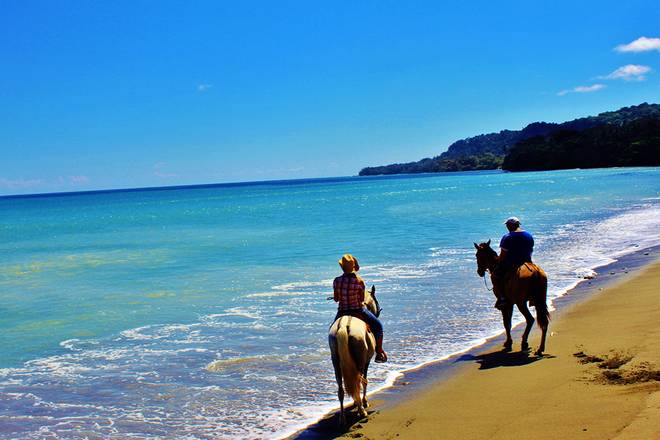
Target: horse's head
<point x="486" y="257"/>
<point x="371" y="302"/>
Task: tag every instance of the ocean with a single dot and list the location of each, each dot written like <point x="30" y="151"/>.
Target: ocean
<point x="202" y="312"/>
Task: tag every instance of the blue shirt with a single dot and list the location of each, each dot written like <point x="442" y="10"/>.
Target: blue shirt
<point x="518" y="246"/>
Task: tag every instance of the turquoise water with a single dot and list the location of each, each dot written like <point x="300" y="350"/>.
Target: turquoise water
<point x="202" y="312"/>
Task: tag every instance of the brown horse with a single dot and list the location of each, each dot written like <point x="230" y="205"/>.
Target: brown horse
<point x="352" y="346"/>
<point x="528" y="283"/>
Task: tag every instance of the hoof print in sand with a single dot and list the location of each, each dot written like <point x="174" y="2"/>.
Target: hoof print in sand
<point x="633" y="373"/>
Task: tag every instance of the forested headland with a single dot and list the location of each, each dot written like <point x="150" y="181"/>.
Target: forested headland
<point x="629" y="136"/>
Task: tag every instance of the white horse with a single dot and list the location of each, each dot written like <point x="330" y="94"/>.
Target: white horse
<point x="352" y="346"/>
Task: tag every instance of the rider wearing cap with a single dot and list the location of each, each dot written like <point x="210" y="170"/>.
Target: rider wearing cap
<point x="349" y="293"/>
<point x="516" y="249"/>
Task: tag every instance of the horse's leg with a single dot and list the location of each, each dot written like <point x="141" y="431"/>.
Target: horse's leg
<point x="542" y="315"/>
<point x="541" y="349"/>
<point x="340" y="385"/>
<point x="507" y="313"/>
<point x="365" y="404"/>
<point x="529" y="319"/>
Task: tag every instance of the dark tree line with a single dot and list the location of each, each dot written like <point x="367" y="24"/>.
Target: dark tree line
<point x="635" y="143"/>
<point x="515" y="149"/>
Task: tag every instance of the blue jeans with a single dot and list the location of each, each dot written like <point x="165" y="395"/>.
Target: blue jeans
<point x="365" y="315"/>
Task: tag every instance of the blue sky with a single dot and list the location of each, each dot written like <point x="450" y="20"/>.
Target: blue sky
<point x="149" y="93"/>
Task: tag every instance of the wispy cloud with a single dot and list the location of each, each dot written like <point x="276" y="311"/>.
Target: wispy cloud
<point x="642" y="44"/>
<point x="20" y="183"/>
<point x="159" y="171"/>
<point x="629" y="72"/>
<point x="78" y="180"/>
<point x="201" y="88"/>
<point x="582" y="89"/>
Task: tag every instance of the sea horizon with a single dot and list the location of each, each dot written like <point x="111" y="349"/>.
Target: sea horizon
<point x="301" y="180"/>
<point x="238" y="183"/>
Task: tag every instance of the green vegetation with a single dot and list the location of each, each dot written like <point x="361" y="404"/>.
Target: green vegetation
<point x="626" y="137"/>
<point x="635" y="143"/>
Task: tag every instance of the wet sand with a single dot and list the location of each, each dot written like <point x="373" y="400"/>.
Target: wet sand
<point x="599" y="378"/>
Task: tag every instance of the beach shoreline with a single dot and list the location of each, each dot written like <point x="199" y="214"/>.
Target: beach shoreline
<point x="411" y="385"/>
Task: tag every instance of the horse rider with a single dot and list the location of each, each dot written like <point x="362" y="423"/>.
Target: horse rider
<point x="516" y="249"/>
<point x="349" y="293"/>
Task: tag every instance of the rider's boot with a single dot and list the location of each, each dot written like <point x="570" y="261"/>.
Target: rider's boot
<point x="500" y="303"/>
<point x="381" y="356"/>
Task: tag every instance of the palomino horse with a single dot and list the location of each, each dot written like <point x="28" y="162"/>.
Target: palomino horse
<point x="352" y="346"/>
<point x="528" y="283"/>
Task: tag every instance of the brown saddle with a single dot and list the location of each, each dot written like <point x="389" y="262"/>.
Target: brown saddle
<point x="509" y="278"/>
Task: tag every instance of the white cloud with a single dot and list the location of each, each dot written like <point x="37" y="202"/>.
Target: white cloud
<point x="583" y="89"/>
<point x="78" y="180"/>
<point x="20" y="183"/>
<point x="203" y="87"/>
<point x="642" y="44"/>
<point x="629" y="72"/>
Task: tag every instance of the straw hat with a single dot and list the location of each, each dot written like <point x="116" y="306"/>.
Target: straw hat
<point x="349" y="263"/>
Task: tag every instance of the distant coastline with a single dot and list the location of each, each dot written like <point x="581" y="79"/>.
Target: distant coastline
<point x="629" y="136"/>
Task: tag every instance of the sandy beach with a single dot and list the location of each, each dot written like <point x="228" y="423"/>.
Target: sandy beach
<point x="599" y="378"/>
<point x="566" y="394"/>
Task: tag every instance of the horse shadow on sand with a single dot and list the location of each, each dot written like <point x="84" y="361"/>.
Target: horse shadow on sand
<point x="503" y="358"/>
<point x="330" y="428"/>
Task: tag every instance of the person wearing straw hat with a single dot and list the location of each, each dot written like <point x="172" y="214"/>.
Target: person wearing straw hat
<point x="516" y="249"/>
<point x="349" y="293"/>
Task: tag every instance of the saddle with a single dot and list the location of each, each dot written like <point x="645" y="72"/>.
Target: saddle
<point x="506" y="275"/>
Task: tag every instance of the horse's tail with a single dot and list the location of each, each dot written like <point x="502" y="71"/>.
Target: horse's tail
<point x="351" y="375"/>
<point x="539" y="293"/>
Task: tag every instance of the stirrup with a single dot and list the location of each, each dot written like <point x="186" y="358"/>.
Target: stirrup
<point x="381" y="357"/>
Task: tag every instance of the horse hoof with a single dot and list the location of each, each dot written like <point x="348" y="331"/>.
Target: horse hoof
<point x="538" y="352"/>
<point x="524" y="346"/>
<point x="507" y="346"/>
<point x="365" y="404"/>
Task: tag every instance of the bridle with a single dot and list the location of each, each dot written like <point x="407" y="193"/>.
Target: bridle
<point x="487" y="269"/>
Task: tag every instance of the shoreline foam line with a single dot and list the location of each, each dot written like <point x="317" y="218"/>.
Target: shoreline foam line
<point x="569" y="296"/>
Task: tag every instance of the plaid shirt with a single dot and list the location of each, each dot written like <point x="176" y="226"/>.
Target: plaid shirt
<point x="349" y="291"/>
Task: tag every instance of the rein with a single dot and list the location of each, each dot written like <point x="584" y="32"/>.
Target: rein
<point x="488" y="269"/>
<point x="486" y="284"/>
